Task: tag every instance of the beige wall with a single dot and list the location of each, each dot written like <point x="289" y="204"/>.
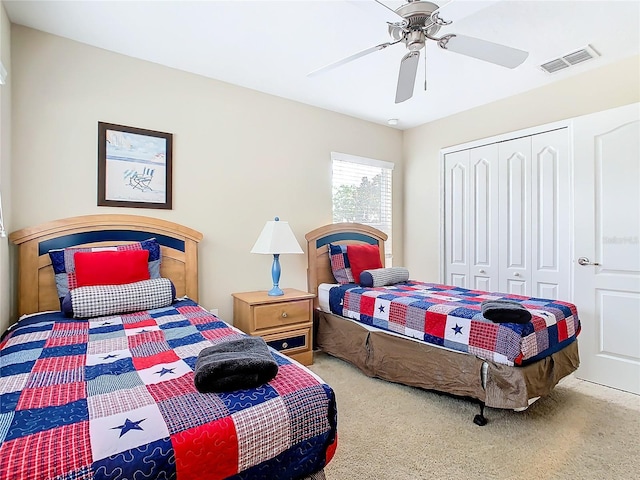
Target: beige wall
<point x="599" y="89"/>
<point x="6" y="286"/>
<point x="240" y="157"/>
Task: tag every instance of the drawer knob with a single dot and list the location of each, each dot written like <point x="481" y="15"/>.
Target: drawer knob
<point x="284" y="315"/>
<point x="285" y="344"/>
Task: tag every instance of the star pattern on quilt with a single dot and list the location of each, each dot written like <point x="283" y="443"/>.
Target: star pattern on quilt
<point x="164" y="371"/>
<point x="381" y="308"/>
<point x="457" y="329"/>
<point x="103" y="324"/>
<point x="111" y="355"/>
<point x="129" y="425"/>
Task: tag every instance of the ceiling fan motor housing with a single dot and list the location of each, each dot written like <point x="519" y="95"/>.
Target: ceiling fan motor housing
<point x="418" y="15"/>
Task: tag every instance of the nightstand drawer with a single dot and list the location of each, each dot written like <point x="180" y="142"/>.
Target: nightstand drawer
<point x="285" y="322"/>
<point x="281" y="314"/>
<point x="287" y="342"/>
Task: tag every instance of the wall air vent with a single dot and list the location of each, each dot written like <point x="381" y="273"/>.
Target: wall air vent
<point x="570" y="59"/>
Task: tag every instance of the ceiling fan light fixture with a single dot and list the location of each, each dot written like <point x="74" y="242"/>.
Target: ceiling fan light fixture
<point x="415" y="40"/>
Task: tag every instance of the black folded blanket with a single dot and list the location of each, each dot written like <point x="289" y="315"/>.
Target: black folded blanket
<point x="505" y="311"/>
<point x="234" y="365"/>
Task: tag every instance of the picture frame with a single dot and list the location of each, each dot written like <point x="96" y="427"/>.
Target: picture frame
<point x="134" y="167"/>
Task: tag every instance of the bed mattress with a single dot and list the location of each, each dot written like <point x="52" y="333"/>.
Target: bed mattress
<point x="451" y="317"/>
<point x="114" y="398"/>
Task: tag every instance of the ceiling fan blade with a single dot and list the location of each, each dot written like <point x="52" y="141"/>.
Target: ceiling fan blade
<point x="484" y="50"/>
<point x="457" y="10"/>
<point x="407" y="76"/>
<point x="350" y="58"/>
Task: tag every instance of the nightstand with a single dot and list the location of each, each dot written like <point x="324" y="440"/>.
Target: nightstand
<point x="285" y="322"/>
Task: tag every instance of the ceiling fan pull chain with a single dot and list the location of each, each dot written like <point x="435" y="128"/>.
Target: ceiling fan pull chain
<point x="425" y="69"/>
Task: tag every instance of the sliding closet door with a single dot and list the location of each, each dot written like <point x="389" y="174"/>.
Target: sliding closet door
<point x="483" y="218"/>
<point x="515" y="216"/>
<point x="507" y="216"/>
<point x="471" y="218"/>
<point x="550" y="215"/>
<point x="456" y="223"/>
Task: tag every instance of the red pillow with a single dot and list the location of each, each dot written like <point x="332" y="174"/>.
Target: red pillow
<point x="363" y="257"/>
<point x="110" y="267"/>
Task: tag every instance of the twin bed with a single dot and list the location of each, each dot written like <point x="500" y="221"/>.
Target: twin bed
<point x="433" y="336"/>
<point x="113" y="396"/>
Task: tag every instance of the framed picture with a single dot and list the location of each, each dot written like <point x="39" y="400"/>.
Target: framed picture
<point x="134" y="167"/>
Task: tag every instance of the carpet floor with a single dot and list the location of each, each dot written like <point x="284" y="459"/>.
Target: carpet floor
<point x="388" y="431"/>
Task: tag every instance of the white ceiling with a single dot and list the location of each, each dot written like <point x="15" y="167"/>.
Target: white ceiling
<point x="271" y="46"/>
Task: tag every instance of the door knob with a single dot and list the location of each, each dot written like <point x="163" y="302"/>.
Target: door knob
<point x="516" y="274"/>
<point x="586" y="261"/>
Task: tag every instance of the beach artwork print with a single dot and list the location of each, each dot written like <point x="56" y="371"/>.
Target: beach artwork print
<point x="134" y="167"/>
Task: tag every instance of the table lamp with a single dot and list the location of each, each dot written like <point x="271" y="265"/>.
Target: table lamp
<point x="276" y="238"/>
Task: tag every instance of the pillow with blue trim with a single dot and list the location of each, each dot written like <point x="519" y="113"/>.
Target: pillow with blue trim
<point x="64" y="269"/>
<point x="340" y="264"/>
<point x="380" y="277"/>
<point x="103" y="300"/>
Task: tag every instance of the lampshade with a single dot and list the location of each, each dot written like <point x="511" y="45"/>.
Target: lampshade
<point x="276" y="237"/>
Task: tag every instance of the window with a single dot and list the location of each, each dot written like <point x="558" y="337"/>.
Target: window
<point x="362" y="193"/>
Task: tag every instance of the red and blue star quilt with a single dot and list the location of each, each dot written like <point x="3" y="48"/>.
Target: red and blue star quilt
<point x="114" y="398"/>
<point x="451" y="317"/>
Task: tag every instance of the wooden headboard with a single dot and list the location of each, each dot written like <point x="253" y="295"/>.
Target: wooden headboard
<point x="36" y="281"/>
<point x="319" y="265"/>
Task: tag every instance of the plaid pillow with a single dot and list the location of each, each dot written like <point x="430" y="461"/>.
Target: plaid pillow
<point x="102" y="300"/>
<point x="379" y="277"/>
<point x="64" y="265"/>
<point x="340" y="264"/>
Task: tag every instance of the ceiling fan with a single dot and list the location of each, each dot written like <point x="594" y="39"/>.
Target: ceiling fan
<point x="419" y="21"/>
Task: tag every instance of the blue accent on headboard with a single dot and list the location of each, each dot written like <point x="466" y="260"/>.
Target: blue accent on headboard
<point x="337" y="237"/>
<point x="108" y="236"/>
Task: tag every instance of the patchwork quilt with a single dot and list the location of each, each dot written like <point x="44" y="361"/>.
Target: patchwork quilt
<point x="114" y="398"/>
<point x="451" y="317"/>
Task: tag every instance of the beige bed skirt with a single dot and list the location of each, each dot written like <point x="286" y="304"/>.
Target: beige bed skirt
<point x="409" y="362"/>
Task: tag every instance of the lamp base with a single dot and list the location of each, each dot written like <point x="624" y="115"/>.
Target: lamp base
<point x="275" y="275"/>
<point x="275" y="291"/>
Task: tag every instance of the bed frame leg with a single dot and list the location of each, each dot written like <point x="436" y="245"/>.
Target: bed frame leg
<point x="480" y="419"/>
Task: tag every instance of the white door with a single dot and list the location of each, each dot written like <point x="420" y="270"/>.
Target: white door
<point x="550" y="215"/>
<point x="456" y="227"/>
<point x="515" y="216"/>
<point x="483" y="218"/>
<point x="471" y="218"/>
<point x="607" y="246"/>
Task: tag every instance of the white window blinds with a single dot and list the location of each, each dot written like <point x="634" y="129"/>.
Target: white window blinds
<point x="362" y="193"/>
